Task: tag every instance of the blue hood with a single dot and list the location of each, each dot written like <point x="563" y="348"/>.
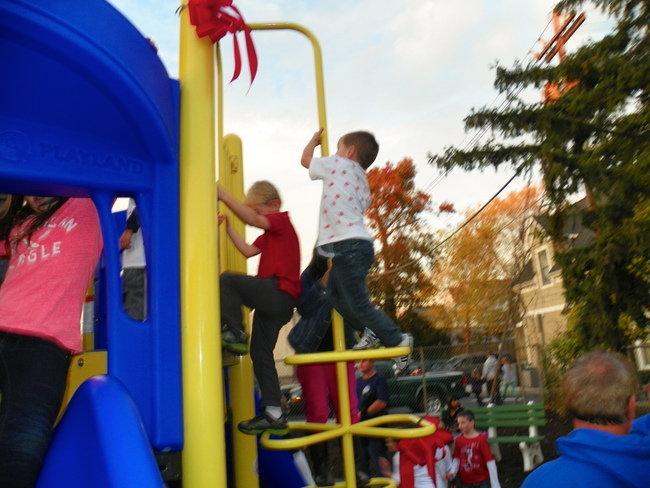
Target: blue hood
<point x="625" y="458"/>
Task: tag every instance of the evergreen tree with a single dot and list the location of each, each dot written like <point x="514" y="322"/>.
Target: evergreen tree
<point x="594" y="137"/>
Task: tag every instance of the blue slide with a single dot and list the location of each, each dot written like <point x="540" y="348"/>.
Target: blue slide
<point x="100" y="442"/>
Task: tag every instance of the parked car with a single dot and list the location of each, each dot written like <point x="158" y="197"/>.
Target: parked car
<point x="465" y="363"/>
<point x="418" y="392"/>
<point x="421" y="393"/>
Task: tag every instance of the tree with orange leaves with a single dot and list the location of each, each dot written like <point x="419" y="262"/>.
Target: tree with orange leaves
<point x="482" y="261"/>
<point x="400" y="281"/>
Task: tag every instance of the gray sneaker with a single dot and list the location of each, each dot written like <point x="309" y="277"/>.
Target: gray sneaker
<point x="402" y="362"/>
<point x="368" y="341"/>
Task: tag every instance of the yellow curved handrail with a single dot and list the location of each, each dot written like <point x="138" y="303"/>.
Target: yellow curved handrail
<point x="366" y="428"/>
<point x="318" y="65"/>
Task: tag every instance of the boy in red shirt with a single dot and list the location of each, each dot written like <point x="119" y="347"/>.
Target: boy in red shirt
<point x="473" y="460"/>
<point x="272" y="294"/>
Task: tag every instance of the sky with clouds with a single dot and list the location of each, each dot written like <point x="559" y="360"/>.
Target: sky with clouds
<point x="409" y="71"/>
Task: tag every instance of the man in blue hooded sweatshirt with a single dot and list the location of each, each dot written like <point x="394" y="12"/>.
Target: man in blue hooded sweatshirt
<point x="607" y="448"/>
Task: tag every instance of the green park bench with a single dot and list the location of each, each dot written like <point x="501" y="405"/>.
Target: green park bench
<point x="530" y="415"/>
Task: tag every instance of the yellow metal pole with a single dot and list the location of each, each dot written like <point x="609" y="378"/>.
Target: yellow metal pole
<point x="231" y="173"/>
<point x="347" y="442"/>
<point x="204" y="462"/>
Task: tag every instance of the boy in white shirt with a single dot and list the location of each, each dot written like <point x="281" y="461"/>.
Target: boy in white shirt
<point x="343" y="235"/>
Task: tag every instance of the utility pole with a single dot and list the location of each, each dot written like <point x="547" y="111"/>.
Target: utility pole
<point x="564" y="26"/>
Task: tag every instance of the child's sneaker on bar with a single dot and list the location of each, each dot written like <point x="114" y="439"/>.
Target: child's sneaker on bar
<point x="402" y="362"/>
<point x="235" y="341"/>
<point x="368" y="341"/>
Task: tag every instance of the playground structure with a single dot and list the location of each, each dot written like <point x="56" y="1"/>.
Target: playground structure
<point x="89" y="110"/>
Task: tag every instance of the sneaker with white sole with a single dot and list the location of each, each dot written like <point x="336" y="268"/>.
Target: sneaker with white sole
<point x="402" y="362"/>
<point x="368" y="341"/>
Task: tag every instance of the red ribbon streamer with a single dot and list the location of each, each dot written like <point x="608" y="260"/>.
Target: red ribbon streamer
<point x="215" y="19"/>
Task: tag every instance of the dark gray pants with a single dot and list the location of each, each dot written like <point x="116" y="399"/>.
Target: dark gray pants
<point x="134" y="292"/>
<point x="273" y="308"/>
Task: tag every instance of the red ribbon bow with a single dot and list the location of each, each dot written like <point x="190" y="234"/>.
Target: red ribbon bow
<point x="215" y="19"/>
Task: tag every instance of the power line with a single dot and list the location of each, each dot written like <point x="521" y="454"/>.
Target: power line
<point x="464" y="224"/>
<point x="475" y="214"/>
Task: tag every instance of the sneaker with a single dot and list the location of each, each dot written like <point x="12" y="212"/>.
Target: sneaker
<point x="264" y="423"/>
<point x="233" y="340"/>
<point x="368" y="341"/>
<point x="402" y="362"/>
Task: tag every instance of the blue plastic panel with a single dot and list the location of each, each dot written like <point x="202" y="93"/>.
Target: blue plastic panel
<point x="87" y="108"/>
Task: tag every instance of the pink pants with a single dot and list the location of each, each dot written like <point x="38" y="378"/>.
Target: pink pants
<point x="318" y="383"/>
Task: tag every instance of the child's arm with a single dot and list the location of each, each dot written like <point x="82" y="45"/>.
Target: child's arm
<point x="453" y="469"/>
<point x="490" y="462"/>
<point x="455" y="463"/>
<point x="244" y="212"/>
<point x="247" y="250"/>
<point x="494" y="477"/>
<point x="308" y="152"/>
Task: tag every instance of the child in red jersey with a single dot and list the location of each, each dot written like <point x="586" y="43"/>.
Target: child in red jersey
<point x="272" y="294"/>
<point x="473" y="460"/>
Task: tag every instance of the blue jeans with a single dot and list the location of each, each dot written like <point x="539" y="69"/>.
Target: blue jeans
<point x="33" y="375"/>
<point x="315" y="322"/>
<point x="349" y="292"/>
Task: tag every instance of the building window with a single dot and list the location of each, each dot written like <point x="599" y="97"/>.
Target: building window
<point x="544" y="267"/>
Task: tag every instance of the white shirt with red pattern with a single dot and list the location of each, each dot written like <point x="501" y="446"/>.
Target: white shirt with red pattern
<point x="345" y="199"/>
<point x="46" y="282"/>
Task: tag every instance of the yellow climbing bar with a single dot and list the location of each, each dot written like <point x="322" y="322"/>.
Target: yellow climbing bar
<point x="240" y="374"/>
<point x="347" y="355"/>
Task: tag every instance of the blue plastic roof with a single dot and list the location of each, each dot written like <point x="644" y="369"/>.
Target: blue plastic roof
<point x="81" y="89"/>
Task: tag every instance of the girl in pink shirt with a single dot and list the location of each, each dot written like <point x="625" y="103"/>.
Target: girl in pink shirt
<point x="53" y="245"/>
